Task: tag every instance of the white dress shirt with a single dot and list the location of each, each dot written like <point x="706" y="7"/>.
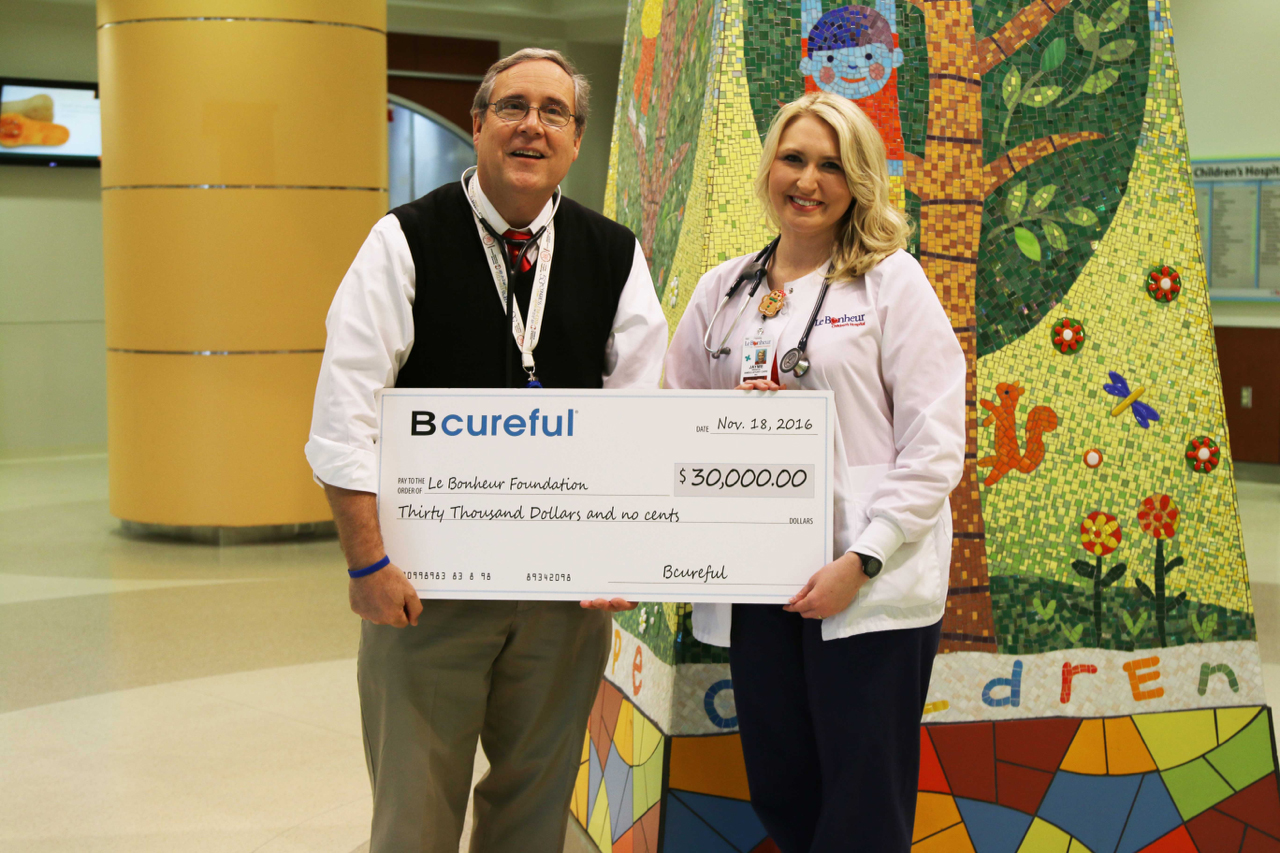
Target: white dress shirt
<point x="884" y="345"/>
<point x="371" y="332"/>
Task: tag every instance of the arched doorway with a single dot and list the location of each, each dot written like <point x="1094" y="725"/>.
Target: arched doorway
<point x="425" y="150"/>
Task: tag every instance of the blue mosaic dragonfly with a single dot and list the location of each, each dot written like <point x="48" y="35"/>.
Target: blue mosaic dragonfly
<point x="1119" y="387"/>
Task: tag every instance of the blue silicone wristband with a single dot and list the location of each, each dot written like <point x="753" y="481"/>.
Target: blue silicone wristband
<point x="368" y="570"/>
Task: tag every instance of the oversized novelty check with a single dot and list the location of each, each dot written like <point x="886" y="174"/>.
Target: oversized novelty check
<point x="643" y="495"/>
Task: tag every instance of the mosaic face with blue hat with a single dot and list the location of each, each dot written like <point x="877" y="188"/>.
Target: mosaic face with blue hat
<point x="851" y="50"/>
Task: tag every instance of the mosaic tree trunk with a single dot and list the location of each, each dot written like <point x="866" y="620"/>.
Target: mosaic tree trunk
<point x="1039" y="145"/>
<point x="953" y="182"/>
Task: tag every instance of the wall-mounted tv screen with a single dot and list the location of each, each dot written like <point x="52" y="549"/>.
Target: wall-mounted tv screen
<point x="49" y="123"/>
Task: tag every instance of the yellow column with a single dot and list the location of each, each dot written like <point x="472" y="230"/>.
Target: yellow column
<point x="244" y="159"/>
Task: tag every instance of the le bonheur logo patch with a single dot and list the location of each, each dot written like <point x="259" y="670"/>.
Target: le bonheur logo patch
<point x="843" y="320"/>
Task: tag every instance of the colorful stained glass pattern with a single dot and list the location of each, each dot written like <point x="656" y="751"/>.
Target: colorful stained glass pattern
<point x="619" y="787"/>
<point x="1174" y="781"/>
<point x="1200" y="780"/>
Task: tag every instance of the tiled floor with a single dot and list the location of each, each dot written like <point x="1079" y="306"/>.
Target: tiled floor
<point x="160" y="696"/>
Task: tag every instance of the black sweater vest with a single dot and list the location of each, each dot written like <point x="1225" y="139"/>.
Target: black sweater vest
<point x="460" y="324"/>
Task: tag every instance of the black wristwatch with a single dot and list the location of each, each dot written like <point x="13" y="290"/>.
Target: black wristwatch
<point x="871" y="566"/>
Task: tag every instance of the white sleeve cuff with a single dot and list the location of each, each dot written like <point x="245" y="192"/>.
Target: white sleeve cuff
<point x="342" y="466"/>
<point x="881" y="538"/>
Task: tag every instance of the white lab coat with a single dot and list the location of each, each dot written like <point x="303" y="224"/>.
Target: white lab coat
<point x="886" y="348"/>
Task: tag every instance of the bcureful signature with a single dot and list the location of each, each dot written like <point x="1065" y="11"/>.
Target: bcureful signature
<point x="700" y="575"/>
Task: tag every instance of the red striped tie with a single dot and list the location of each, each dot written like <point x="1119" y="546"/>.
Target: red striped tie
<point x="515" y="242"/>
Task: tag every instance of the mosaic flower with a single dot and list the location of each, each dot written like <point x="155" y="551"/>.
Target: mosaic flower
<point x="1100" y="533"/>
<point x="1203" y="454"/>
<point x="644" y="619"/>
<point x="1158" y="516"/>
<point x="1068" y="336"/>
<point x="1093" y="457"/>
<point x="1163" y="284"/>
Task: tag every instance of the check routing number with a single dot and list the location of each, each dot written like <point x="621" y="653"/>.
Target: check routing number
<point x="644" y="495"/>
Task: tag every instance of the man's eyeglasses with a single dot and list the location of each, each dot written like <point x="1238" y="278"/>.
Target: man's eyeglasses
<point x="515" y="109"/>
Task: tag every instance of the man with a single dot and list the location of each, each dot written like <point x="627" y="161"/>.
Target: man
<point x="423" y="306"/>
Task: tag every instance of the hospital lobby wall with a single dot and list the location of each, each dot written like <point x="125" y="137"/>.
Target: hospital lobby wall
<point x="1100" y="685"/>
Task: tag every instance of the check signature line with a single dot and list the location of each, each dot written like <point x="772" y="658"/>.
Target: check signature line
<point x="699" y="583"/>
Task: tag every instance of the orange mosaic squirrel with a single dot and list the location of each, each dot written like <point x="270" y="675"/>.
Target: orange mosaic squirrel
<point x="1009" y="455"/>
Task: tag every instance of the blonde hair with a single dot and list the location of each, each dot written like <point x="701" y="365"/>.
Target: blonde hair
<point x="872" y="228"/>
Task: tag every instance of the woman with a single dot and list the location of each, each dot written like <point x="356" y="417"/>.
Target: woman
<point x="830" y="688"/>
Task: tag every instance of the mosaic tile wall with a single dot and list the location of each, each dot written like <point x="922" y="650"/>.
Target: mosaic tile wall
<point x="1099" y="644"/>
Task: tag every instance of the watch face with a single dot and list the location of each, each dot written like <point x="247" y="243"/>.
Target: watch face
<point x="870" y="565"/>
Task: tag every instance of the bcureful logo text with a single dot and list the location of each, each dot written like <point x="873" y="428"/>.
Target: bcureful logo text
<point x="843" y="320"/>
<point x="424" y="423"/>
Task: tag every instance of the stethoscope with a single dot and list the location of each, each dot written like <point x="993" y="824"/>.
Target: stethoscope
<point x="511" y="266"/>
<point x="756" y="272"/>
<point x="793" y="360"/>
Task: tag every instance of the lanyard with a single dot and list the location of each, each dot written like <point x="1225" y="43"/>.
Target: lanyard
<point x="495" y="249"/>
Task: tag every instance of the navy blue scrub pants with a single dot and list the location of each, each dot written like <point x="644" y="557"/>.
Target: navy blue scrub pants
<point x="830" y="730"/>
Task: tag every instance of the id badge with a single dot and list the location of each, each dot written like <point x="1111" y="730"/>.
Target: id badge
<point x="757" y="357"/>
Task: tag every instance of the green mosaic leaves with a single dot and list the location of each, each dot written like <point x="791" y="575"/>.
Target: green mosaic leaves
<point x="1090" y="38"/>
<point x="1016" y="286"/>
<point x="1028" y="243"/>
<point x="1118" y="51"/>
<point x="1056" y="236"/>
<point x="1115" y="15"/>
<point x="1083" y="568"/>
<point x="1041" y="96"/>
<point x="1020" y="211"/>
<point x="1082" y="216"/>
<point x="1086" y="33"/>
<point x="1089" y="35"/>
<point x="1016" y="200"/>
<point x="1204" y="630"/>
<point x="1100" y="82"/>
<point x="1042" y="198"/>
<point x="1072" y="634"/>
<point x="1134" y="627"/>
<point x="1011" y="88"/>
<point x="1054" y="55"/>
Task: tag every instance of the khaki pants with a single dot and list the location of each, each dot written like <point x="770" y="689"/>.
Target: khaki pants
<point x="521" y="676"/>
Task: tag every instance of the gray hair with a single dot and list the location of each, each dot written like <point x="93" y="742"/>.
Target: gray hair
<point x="581" y="86"/>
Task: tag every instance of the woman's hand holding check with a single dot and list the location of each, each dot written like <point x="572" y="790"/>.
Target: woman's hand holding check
<point x="832" y="588"/>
